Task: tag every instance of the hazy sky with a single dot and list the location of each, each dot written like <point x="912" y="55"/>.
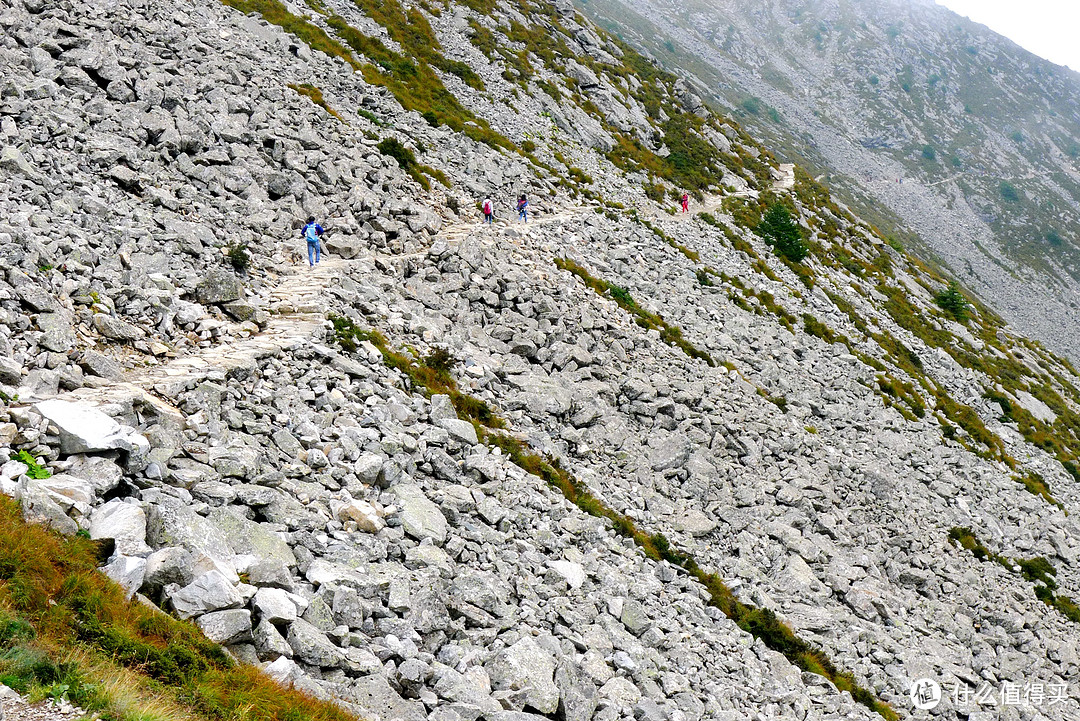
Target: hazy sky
<point x="1048" y="28"/>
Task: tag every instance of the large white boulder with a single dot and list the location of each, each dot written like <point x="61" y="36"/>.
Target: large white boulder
<point x="87" y="430"/>
<point x="128" y="572"/>
<point x="226" y="627"/>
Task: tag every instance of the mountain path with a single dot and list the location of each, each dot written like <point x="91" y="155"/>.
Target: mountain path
<point x="299" y="306"/>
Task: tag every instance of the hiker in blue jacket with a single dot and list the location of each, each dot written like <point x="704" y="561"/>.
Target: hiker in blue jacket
<point x="523" y="208"/>
<point x="312" y="232"/>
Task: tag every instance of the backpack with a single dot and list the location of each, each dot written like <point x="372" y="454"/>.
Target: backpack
<point x="487" y="207"/>
<point x="311" y="232"/>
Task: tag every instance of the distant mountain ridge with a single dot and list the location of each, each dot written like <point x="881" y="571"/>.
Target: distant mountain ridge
<point x="923" y="119"/>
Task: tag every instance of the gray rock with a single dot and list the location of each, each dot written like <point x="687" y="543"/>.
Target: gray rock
<point x="99" y="365"/>
<point x="11" y="373"/>
<point x="572" y="573"/>
<point x="272" y="573"/>
<point x="419" y="516"/>
<point x="578" y="698"/>
<point x="374" y="695"/>
<point x="39" y="507"/>
<point x="87" y="430"/>
<point x="460" y="431"/>
<point x="219" y="286"/>
<point x="528" y="667"/>
<point x="100" y="472"/>
<point x="269" y="643"/>
<point x="59" y="334"/>
<point x="368" y="467"/>
<point x="209" y="592"/>
<point x="251" y="538"/>
<point x="311" y="645"/>
<point x="127" y="571"/>
<point x="116" y="329"/>
<point x="634" y="617"/>
<point x="166" y="566"/>
<point x="289" y="445"/>
<point x="442" y="408"/>
<point x="123" y="522"/>
<point x="672" y="453"/>
<point x="170" y="523"/>
<point x="13" y="161"/>
<point x="695" y="523"/>
<point x="226" y="627"/>
<point x="276" y="605"/>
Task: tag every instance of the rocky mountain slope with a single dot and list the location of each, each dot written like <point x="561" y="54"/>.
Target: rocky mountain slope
<point x="930" y="124"/>
<point x="611" y="463"/>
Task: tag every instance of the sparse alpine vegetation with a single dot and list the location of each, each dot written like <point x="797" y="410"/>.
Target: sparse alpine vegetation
<point x="1037" y="570"/>
<point x="668" y="333"/>
<point x="66" y="631"/>
<point x="431" y="374"/>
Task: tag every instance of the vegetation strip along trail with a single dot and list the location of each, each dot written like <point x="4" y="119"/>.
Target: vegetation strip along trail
<point x="431" y="374"/>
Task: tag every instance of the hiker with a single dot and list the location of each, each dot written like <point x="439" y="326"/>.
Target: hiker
<point x="685" y="203"/>
<point x="523" y="208"/>
<point x="489" y="210"/>
<point x="312" y="232"/>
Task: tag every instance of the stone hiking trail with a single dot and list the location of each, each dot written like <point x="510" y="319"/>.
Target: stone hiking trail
<point x="298" y="306"/>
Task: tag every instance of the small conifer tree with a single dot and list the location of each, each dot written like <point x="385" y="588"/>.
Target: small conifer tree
<point x="781" y="232"/>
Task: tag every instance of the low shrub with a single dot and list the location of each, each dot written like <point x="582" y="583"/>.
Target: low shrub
<point x="238" y="256"/>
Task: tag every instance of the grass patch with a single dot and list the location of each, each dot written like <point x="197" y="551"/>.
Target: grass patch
<point x="670" y="334"/>
<point x="1037" y="570"/>
<point x="406" y="160"/>
<point x="431" y="374"/>
<point x="315" y="37"/>
<point x="316" y="96"/>
<point x="68" y="631"/>
<point x="691" y="255"/>
<point x="816" y="328"/>
<point x="1035" y="484"/>
<point x="410" y="76"/>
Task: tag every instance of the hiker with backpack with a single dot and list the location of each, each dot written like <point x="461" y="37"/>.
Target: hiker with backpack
<point x="312" y="232"/>
<point x="489" y="210"/>
<point x="685" y="202"/>
<point x="523" y="208"/>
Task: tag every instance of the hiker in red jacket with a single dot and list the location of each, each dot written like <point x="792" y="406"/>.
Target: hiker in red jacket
<point x="685" y="203"/>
